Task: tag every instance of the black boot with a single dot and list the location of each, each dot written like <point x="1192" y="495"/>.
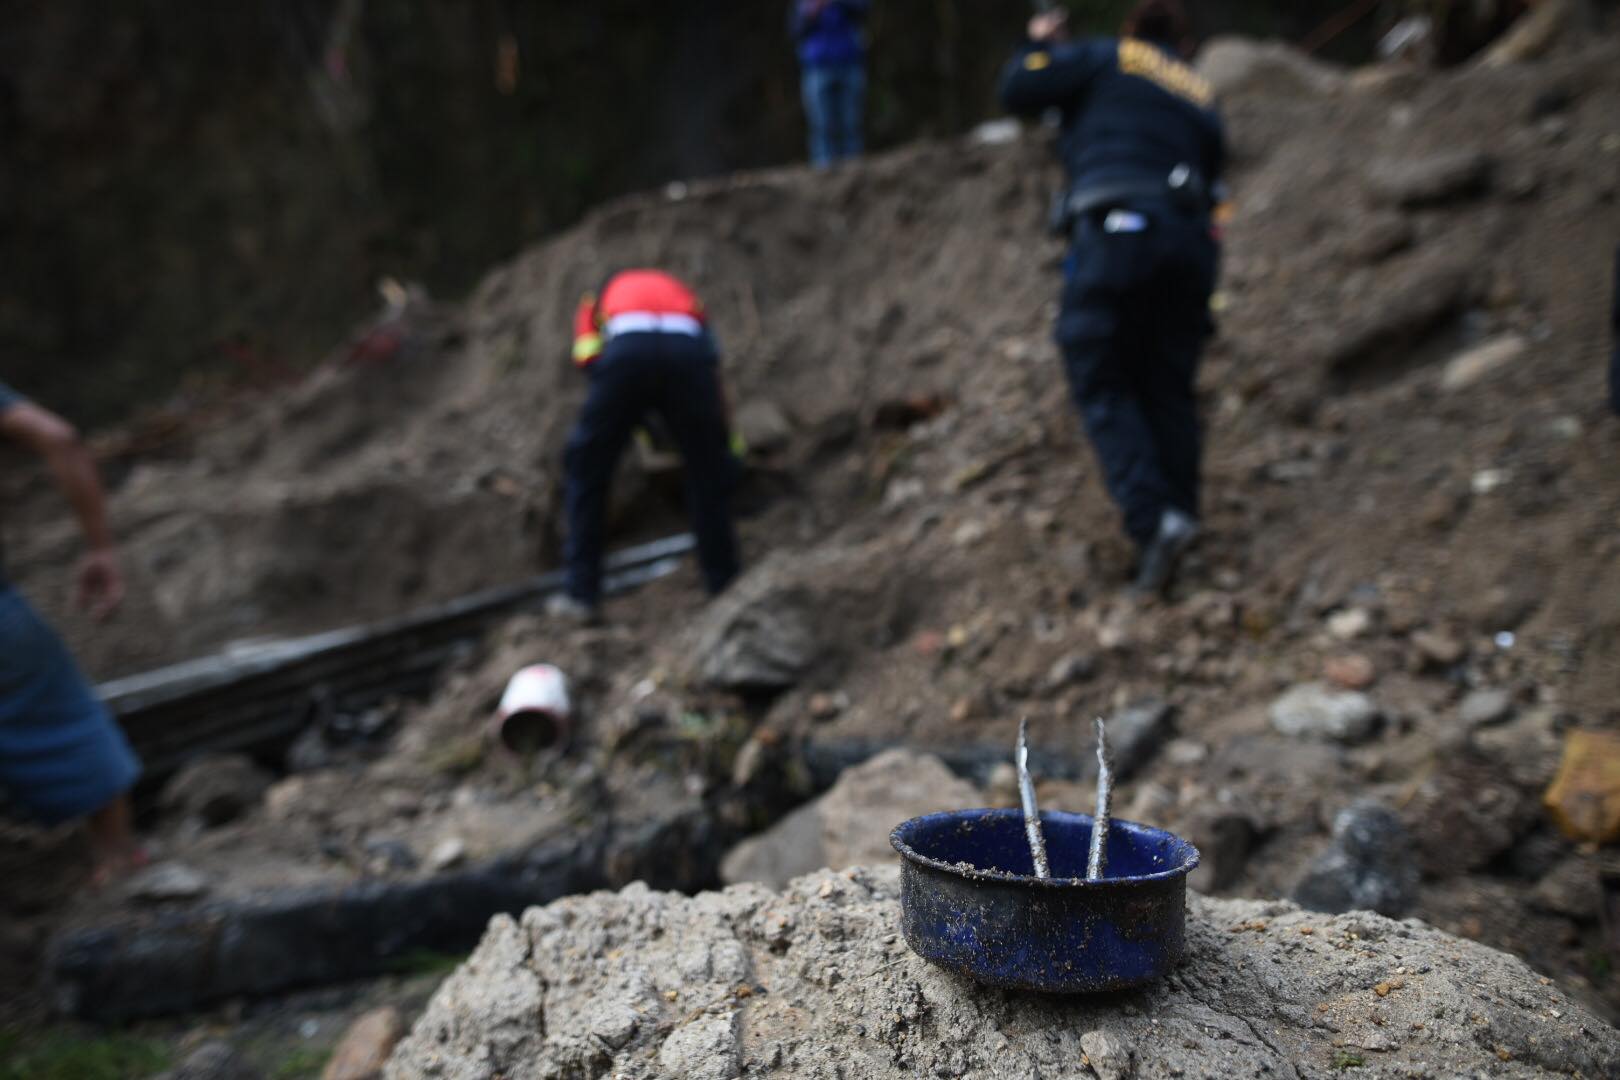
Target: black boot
<point x="1176" y="533"/>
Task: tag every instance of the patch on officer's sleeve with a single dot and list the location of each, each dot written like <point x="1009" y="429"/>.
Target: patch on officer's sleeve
<point x="1035" y="61"/>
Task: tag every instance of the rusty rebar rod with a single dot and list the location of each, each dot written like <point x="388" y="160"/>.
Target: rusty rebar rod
<point x="1032" y="813"/>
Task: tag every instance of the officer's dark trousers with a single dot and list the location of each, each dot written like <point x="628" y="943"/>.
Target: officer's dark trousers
<point x="1134" y="319"/>
<point x="677" y="377"/>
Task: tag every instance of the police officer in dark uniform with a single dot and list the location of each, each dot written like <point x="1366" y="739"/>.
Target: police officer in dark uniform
<point x="1143" y="147"/>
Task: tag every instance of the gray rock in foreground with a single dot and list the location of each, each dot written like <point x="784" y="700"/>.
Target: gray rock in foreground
<point x="815" y="981"/>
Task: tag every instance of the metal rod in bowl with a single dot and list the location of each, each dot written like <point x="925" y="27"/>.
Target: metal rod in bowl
<point x="1097" y="864"/>
<point x="1032" y="813"/>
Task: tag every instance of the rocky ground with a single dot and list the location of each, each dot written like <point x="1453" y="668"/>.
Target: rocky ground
<point x="1404" y="594"/>
<point x="816" y="981"/>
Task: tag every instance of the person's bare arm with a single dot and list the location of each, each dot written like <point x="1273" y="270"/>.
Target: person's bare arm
<point x="100" y="581"/>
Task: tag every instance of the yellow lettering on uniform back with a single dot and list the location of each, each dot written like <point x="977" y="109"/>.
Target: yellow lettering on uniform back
<point x="1035" y="61"/>
<point x="1140" y="58"/>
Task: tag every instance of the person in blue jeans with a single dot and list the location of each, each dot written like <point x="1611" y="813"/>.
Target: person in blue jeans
<point x="832" y="58"/>
<point x="62" y="756"/>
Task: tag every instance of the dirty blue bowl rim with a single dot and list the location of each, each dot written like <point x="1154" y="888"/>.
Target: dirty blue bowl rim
<point x="1186" y="866"/>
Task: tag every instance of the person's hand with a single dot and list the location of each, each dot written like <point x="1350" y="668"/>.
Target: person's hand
<point x="101" y="583"/>
<point x="1049" y="26"/>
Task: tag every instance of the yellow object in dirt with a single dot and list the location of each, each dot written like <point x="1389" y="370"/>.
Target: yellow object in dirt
<point x="1584" y="799"/>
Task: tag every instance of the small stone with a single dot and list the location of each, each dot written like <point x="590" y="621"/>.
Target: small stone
<point x="1368" y="866"/>
<point x="615" y="1025"/>
<point x="1571" y="889"/>
<point x="1435" y="648"/>
<point x="824" y="707"/>
<point x="1110" y="1057"/>
<point x="215" y="789"/>
<point x="364" y="1048"/>
<point x="764" y="427"/>
<point x="1350" y="623"/>
<point x="447" y="853"/>
<point x="281" y="802"/>
<point x="1185" y="753"/>
<point x="1486" y="481"/>
<point x="1312" y="710"/>
<point x="1071" y="669"/>
<point x="1152" y="802"/>
<point x="1482" y="361"/>
<point x="389" y="855"/>
<point x="704" y="1049"/>
<point x="1484" y="707"/>
<point x="1135" y="735"/>
<point x="1431" y="179"/>
<point x="167" y="881"/>
<point x="1584" y="798"/>
<point x="969" y="533"/>
<point x="1351" y="671"/>
<point x="759" y="637"/>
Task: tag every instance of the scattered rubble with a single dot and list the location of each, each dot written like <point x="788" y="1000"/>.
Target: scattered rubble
<point x="215" y="789"/>
<point x="364" y="1049"/>
<point x="1482" y="361"/>
<point x="1369" y="865"/>
<point x="1430" y="180"/>
<point x="165" y="882"/>
<point x="1584" y="798"/>
<point x="1320" y="712"/>
<point x="850" y="824"/>
<point x="1484" y="707"/>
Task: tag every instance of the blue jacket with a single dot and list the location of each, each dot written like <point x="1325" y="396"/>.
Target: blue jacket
<point x="1130" y="109"/>
<point x="832" y="37"/>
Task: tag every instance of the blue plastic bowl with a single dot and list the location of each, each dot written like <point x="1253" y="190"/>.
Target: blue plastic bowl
<point x="970" y="901"/>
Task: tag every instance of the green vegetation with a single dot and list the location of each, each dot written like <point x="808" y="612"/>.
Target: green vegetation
<point x="63" y="1054"/>
<point x="426" y="962"/>
<point x="1344" y="1059"/>
<point x="304" y="1063"/>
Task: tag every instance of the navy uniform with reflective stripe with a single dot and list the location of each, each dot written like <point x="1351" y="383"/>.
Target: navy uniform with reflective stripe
<point x="1138" y="279"/>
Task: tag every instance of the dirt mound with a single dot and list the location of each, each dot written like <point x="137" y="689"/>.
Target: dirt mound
<point x="816" y="981"/>
<point x="1377" y="514"/>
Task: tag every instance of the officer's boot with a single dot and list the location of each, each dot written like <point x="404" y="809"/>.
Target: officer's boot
<point x="567" y="609"/>
<point x="1176" y="533"/>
